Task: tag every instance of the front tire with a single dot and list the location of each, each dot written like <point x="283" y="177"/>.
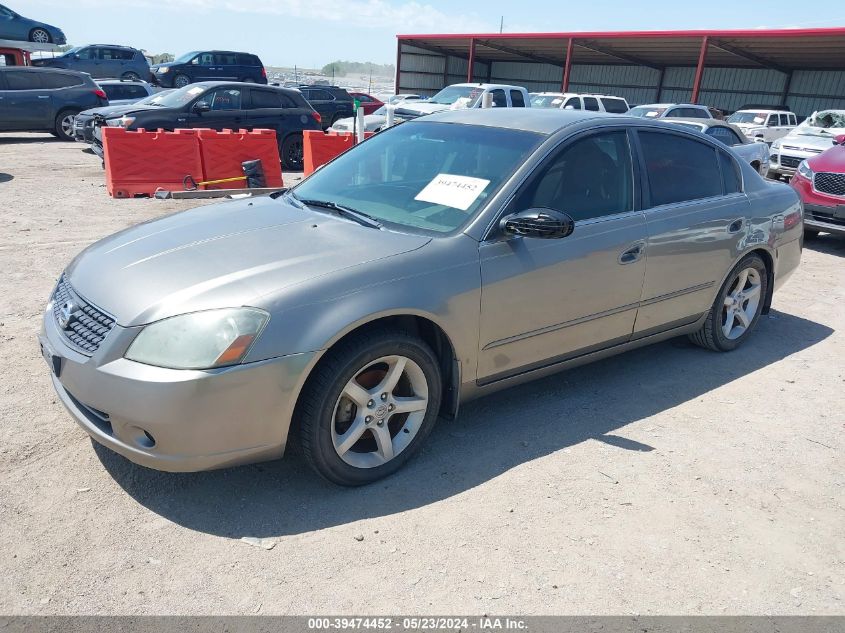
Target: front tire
<point x="293" y="153"/>
<point x="180" y="81"/>
<point x="737" y="307"/>
<point x="63" y="129"/>
<point x="40" y="36"/>
<point x="369" y="406"/>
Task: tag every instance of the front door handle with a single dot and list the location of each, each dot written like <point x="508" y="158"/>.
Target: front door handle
<point x="632" y="255"/>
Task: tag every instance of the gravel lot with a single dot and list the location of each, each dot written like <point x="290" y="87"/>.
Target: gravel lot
<point x="668" y="480"/>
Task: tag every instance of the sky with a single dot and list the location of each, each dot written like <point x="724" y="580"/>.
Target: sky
<point x="312" y="33"/>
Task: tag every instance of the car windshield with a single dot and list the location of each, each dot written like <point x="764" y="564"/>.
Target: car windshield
<point x="451" y="94"/>
<point x="748" y="117"/>
<point x="823" y="123"/>
<point x="178" y="98"/>
<point x="422" y="174"/>
<point x="688" y="124"/>
<point x="546" y="101"/>
<point x="646" y="111"/>
<point x="155" y="99"/>
<point x="184" y="59"/>
<point x="72" y="51"/>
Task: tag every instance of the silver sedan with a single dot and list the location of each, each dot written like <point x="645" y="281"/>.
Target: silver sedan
<point x="756" y="153"/>
<point x="440" y="260"/>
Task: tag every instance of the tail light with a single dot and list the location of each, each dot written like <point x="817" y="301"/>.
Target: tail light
<point x="102" y="94"/>
<point x="264" y="72"/>
<point x="317" y="116"/>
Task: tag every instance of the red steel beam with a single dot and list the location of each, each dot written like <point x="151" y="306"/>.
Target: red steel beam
<point x="567" y="67"/>
<point x="699" y="71"/>
<point x="471" y="62"/>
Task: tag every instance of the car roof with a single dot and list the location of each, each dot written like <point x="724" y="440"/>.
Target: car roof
<point x="669" y="105"/>
<point x="240" y="84"/>
<point x="538" y="120"/>
<point x="113" y="46"/>
<point x="766" y="110"/>
<point x="483" y="85"/>
<point x="44" y="69"/>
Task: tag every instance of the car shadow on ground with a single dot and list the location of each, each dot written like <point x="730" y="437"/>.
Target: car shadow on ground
<point x="5" y="139"/>
<point x="827" y="243"/>
<point x="5" y="177"/>
<point x="491" y="436"/>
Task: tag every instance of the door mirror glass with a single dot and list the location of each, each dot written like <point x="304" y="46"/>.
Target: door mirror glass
<point x="541" y="223"/>
<point x="201" y="106"/>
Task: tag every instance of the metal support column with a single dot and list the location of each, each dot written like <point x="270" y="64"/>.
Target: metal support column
<point x="567" y="67"/>
<point x="471" y="63"/>
<point x="699" y="71"/>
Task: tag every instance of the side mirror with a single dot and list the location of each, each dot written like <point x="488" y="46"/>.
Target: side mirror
<point x="541" y="223"/>
<point x="569" y="107"/>
<point x="839" y="139"/>
<point x="201" y="106"/>
<point x="74" y="56"/>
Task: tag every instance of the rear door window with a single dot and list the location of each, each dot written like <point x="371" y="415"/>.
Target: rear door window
<point x="517" y="100"/>
<point x="679" y="169"/>
<point x="226" y="59"/>
<point x="615" y="106"/>
<point x="499" y="98"/>
<point x="591" y="103"/>
<point x="784" y="119"/>
<point x="60" y="80"/>
<point x="266" y="99"/>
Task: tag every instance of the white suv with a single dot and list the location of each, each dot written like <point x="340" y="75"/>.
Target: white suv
<point x="573" y="101"/>
<point x="764" y="125"/>
<point x="459" y="96"/>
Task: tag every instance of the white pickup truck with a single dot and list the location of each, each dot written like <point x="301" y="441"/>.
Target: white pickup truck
<point x="458" y="96"/>
<point x="764" y="125"/>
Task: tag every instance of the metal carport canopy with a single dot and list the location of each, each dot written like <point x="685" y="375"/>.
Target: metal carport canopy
<point x="783" y="50"/>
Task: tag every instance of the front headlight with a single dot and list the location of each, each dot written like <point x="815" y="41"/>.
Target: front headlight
<point x="200" y="340"/>
<point x="805" y="171"/>
<point x="124" y="121"/>
<point x="163" y="70"/>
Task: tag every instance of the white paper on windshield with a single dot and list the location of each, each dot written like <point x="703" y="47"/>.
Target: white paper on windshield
<point x="652" y="113"/>
<point x="461" y="102"/>
<point x="458" y="192"/>
<point x="758" y="119"/>
<point x="556" y="101"/>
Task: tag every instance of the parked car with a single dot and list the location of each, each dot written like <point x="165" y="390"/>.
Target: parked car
<point x="368" y="102"/>
<point x="754" y="153"/>
<point x="83" y="123"/>
<point x="101" y="61"/>
<point x="45" y="99"/>
<point x="14" y="26"/>
<point x="331" y="102"/>
<point x="764" y="125"/>
<point x="14" y="57"/>
<point x="671" y="110"/>
<point x="125" y="91"/>
<point x="209" y="66"/>
<point x="573" y="101"/>
<point x="468" y="95"/>
<point x="813" y="136"/>
<point x="223" y="105"/>
<point x="445" y="258"/>
<point x="820" y="181"/>
<point x="374" y="122"/>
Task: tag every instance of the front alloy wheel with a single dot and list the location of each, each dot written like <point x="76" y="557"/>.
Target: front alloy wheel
<point x="39" y="36"/>
<point x="368" y="406"/>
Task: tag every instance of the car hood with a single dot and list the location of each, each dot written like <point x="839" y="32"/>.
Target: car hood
<point x="223" y="255"/>
<point x="163" y="65"/>
<point x="808" y="141"/>
<point x="126" y="108"/>
<point x="832" y="160"/>
<point x="371" y="123"/>
<point x="420" y="109"/>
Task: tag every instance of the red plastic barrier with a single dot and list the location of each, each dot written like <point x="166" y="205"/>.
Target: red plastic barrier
<point x="223" y="152"/>
<point x="140" y="162"/>
<point x="319" y="148"/>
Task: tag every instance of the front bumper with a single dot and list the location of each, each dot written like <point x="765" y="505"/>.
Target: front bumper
<point x="822" y="212"/>
<point x="83" y="129"/>
<point x="174" y="420"/>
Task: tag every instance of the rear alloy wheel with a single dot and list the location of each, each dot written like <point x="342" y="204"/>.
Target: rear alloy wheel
<point x="369" y="406"/>
<point x="39" y="36"/>
<point x="64" y="126"/>
<point x="293" y="153"/>
<point x="737" y="307"/>
<point x="180" y="81"/>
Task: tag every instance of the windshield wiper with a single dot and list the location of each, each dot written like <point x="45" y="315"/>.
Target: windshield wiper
<point x="346" y="212"/>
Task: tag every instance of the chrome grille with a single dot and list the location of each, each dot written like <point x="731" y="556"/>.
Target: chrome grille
<point x="827" y="182"/>
<point x="88" y="325"/>
<point x="809" y="150"/>
<point x="789" y="161"/>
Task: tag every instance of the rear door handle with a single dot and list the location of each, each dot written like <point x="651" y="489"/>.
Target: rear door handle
<point x="43" y="96"/>
<point x="736" y="226"/>
<point x="632" y="255"/>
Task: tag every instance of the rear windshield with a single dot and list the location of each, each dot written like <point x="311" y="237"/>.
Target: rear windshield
<point x="646" y="111"/>
<point x="546" y="101"/>
<point x="748" y="117"/>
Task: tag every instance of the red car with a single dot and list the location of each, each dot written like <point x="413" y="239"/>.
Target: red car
<point x="368" y="102"/>
<point x="820" y="181"/>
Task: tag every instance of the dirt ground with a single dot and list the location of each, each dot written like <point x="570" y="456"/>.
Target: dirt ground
<point x="668" y="480"/>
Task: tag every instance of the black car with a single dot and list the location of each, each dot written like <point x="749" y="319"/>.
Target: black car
<point x="209" y="66"/>
<point x="45" y="99"/>
<point x="331" y="102"/>
<point x="83" y="123"/>
<point x="222" y="105"/>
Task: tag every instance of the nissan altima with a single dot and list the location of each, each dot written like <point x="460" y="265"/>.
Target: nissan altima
<point x="438" y="261"/>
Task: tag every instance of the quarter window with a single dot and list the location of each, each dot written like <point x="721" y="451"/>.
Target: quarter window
<point x="60" y="80"/>
<point x="23" y="80"/>
<point x="679" y="168"/>
<point x="615" y="106"/>
<point x="591" y="103"/>
<point x="591" y="177"/>
<point x="730" y="174"/>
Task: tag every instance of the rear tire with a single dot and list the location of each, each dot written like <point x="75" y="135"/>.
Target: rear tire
<point x="737" y="307"/>
<point x="346" y="429"/>
<point x="292" y="152"/>
<point x="63" y="129"/>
